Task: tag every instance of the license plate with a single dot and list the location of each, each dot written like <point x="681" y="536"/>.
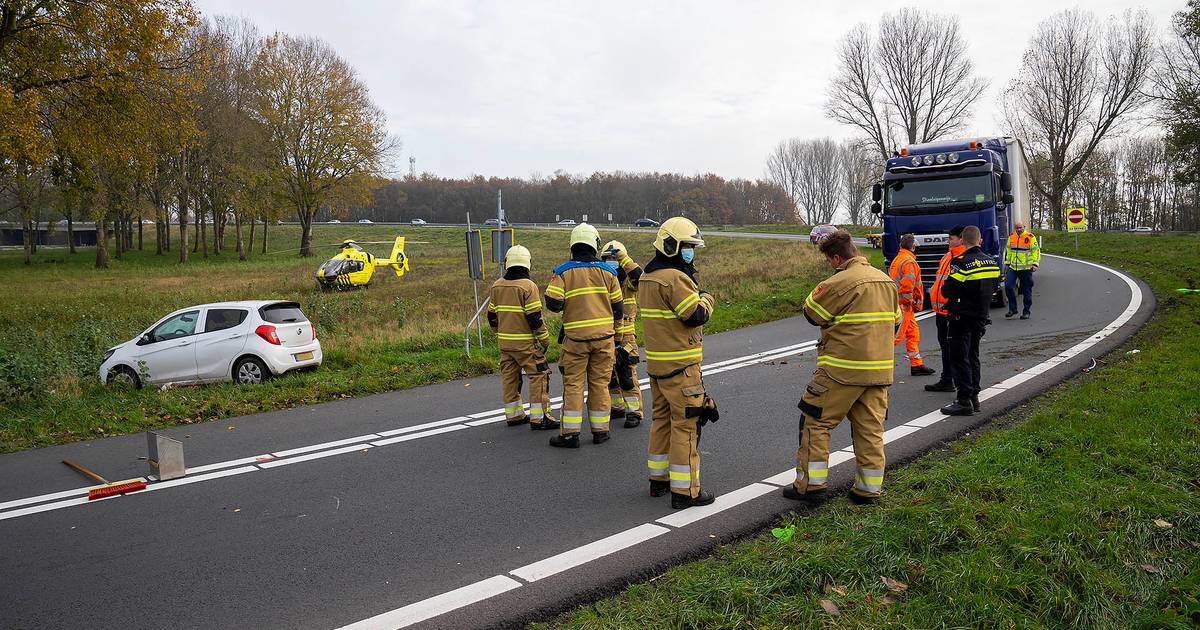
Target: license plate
<point x="304" y="356"/>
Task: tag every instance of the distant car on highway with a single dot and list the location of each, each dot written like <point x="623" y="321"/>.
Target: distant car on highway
<point x="645" y="223"/>
<point x="333" y="221"/>
<point x="495" y="222"/>
<point x="365" y="221"/>
<point x="1142" y="228"/>
<point x="418" y="221"/>
<point x="820" y="231"/>
<point x="567" y="222"/>
<point x="244" y="342"/>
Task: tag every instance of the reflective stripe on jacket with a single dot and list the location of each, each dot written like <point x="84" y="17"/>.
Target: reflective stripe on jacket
<point x="630" y="290"/>
<point x="907" y="274"/>
<point x="668" y="298"/>
<point x="936" y="299"/>
<point x="973" y="279"/>
<point x="587" y="295"/>
<point x="857" y="309"/>
<point x="1023" y="251"/>
<point x="512" y="301"/>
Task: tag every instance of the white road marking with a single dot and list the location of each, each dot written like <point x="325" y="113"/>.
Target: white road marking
<point x="679" y="518"/>
<point x="316" y="447"/>
<point x="183" y="481"/>
<point x="422" y="427"/>
<point x="44" y="507"/>
<point x="417" y="436"/>
<point x="437" y="605"/>
<point x="227" y="464"/>
<point x="587" y="553"/>
<point x="311" y="456"/>
<point x="44" y="497"/>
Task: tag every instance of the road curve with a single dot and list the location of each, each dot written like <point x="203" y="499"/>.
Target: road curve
<point x="421" y="507"/>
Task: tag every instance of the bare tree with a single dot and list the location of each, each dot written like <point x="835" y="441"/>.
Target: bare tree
<point x="783" y="170"/>
<point x="820" y="180"/>
<point x="1078" y="84"/>
<point x="913" y="82"/>
<point x="860" y="169"/>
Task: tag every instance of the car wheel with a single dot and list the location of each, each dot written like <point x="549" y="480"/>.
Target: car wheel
<point x="250" y="371"/>
<point x="124" y="377"/>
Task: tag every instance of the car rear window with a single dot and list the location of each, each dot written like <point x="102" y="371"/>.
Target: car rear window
<point x="283" y="313"/>
<point x="223" y="318"/>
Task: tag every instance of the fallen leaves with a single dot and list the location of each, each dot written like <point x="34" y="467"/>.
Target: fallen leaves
<point x="895" y="586"/>
<point x="830" y="607"/>
<point x="1161" y="524"/>
<point x="830" y="588"/>
<point x="1150" y="568"/>
<point x="784" y="533"/>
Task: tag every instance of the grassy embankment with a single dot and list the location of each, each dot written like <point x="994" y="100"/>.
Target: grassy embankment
<point x="792" y="228"/>
<point x="60" y="315"/>
<point x="1079" y="510"/>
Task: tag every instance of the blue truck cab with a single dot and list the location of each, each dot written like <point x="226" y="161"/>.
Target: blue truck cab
<point x="926" y="189"/>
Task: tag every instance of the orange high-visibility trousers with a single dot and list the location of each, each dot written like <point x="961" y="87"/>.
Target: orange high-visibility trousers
<point x="910" y="334"/>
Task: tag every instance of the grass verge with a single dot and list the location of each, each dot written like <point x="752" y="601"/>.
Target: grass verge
<point x="61" y="314"/>
<point x="1080" y="510"/>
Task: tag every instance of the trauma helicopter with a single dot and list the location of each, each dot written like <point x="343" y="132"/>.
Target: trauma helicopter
<point x="354" y="266"/>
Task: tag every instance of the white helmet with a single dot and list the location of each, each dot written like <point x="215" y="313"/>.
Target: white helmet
<point x="516" y="256"/>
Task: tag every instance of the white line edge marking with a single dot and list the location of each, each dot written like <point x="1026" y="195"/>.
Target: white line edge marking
<point x="586" y="553"/>
<point x="555" y="564"/>
<point x="311" y="456"/>
<point x="437" y="605"/>
<point x="316" y="447"/>
<point x="415" y="436"/>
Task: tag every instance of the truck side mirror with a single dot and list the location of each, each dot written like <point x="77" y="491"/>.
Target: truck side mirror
<point x="1005" y="183"/>
<point x="1007" y="197"/>
<point x="876" y="208"/>
<point x="876" y="192"/>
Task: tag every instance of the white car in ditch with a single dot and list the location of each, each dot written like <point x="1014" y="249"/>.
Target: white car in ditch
<point x="244" y="342"/>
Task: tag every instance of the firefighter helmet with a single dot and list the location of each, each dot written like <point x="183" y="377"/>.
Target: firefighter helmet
<point x="676" y="232"/>
<point x="613" y="249"/>
<point x="586" y="234"/>
<point x="516" y="256"/>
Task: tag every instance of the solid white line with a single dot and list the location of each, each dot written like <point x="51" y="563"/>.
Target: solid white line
<point x="227" y="464"/>
<point x="44" y="507"/>
<point x="437" y="605"/>
<point x="183" y="481"/>
<point x="416" y="436"/>
<point x="587" y="553"/>
<point x="422" y="427"/>
<point x="479" y="423"/>
<point x="311" y="456"/>
<point x="316" y="447"/>
<point x="723" y="502"/>
<point x="43" y="497"/>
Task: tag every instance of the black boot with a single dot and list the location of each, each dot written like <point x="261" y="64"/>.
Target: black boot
<point x="632" y="420"/>
<point x="1025" y="315"/>
<point x="975" y="403"/>
<point x="570" y="440"/>
<point x="859" y="499"/>
<point x="546" y="423"/>
<point x="815" y="496"/>
<point x="513" y="422"/>
<point x="940" y="386"/>
<point x="659" y="488"/>
<point x="616" y="414"/>
<point x="960" y="407"/>
<point x="681" y="501"/>
<point x="921" y="370"/>
<point x="600" y="438"/>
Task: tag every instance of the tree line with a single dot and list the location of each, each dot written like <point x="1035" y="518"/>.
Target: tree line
<point x="118" y="111"/>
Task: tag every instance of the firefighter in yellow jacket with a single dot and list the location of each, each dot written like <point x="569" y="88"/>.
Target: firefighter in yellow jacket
<point x="586" y="291"/>
<point x="858" y="312"/>
<point x="623" y="389"/>
<point x="515" y="313"/>
<point x="674" y="312"/>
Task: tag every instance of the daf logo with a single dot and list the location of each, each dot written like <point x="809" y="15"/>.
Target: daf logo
<point x="933" y="239"/>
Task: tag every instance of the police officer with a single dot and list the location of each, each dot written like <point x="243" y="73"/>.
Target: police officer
<point x="1022" y="256"/>
<point x="586" y="291"/>
<point x="968" y="291"/>
<point x="906" y="273"/>
<point x="623" y="389"/>
<point x="674" y="312"/>
<point x="858" y="312"/>
<point x="515" y="313"/>
<point x="941" y="316"/>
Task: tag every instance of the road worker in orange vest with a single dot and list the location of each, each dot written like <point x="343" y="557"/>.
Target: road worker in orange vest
<point x="515" y="313"/>
<point x="586" y="291"/>
<point x="906" y="273"/>
<point x="941" y="316"/>
<point x="624" y="389"/>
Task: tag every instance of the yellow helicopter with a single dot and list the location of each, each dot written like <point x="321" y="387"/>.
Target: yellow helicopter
<point x="353" y="266"/>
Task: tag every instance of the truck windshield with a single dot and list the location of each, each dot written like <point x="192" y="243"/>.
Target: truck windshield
<point x="933" y="195"/>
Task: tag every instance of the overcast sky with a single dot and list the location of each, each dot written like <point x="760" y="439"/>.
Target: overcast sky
<point x="514" y="88"/>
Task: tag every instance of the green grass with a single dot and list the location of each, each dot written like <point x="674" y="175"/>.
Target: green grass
<point x="1046" y="519"/>
<point x="790" y="228"/>
<point x="60" y="314"/>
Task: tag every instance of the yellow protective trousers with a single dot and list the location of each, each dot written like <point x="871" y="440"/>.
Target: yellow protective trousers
<point x="824" y="405"/>
<point x="672" y="455"/>
<point x="530" y="361"/>
<point x="586" y="364"/>
<point x="627" y="396"/>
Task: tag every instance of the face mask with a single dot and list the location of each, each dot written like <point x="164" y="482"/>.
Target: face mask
<point x="688" y="255"/>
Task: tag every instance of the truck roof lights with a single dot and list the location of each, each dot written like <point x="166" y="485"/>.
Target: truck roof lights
<point x="952" y="158"/>
<point x="941" y="158"/>
<point x="916" y="161"/>
<point x="928" y="159"/>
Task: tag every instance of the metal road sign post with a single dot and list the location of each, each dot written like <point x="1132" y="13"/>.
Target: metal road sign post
<point x="1076" y="223"/>
<point x="475" y="271"/>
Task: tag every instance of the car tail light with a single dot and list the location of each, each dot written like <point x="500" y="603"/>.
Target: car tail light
<point x="314" y="329"/>
<point x="267" y="332"/>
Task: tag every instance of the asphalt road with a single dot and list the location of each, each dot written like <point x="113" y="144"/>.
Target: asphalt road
<point x="448" y="512"/>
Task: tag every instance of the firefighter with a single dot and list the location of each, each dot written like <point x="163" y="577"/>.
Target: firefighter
<point x="907" y="275"/>
<point x="586" y="291"/>
<point x="968" y="292"/>
<point x="858" y="311"/>
<point x="623" y="388"/>
<point x="938" y="302"/>
<point x="1022" y="257"/>
<point x="515" y="313"/>
<point x="674" y="311"/>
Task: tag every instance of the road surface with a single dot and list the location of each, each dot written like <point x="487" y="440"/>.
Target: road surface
<point x="422" y="507"/>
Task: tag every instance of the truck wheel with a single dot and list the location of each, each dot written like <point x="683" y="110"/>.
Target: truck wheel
<point x="998" y="299"/>
<point x="250" y="371"/>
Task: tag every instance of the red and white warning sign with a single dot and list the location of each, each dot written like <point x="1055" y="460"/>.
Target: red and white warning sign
<point x="1076" y="220"/>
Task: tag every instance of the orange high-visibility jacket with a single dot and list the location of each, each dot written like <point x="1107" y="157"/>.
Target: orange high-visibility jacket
<point x="936" y="299"/>
<point x="907" y="274"/>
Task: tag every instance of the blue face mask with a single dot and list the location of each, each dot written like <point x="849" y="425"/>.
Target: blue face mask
<point x="688" y="255"/>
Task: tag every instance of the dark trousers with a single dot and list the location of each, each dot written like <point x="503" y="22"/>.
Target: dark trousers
<point x="965" y="334"/>
<point x="943" y="336"/>
<point x="1025" y="279"/>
